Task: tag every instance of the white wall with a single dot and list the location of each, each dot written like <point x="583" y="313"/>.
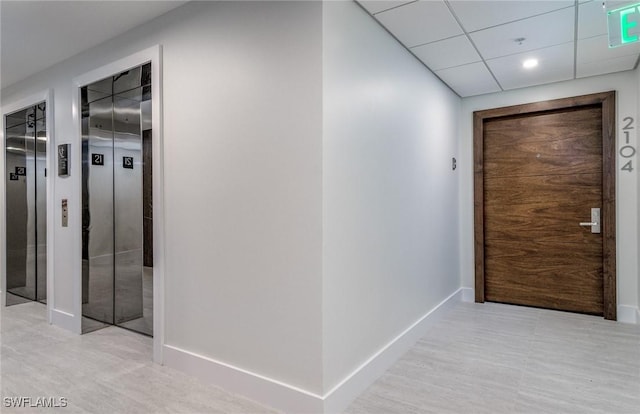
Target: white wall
<point x="389" y="194"/>
<point x="626" y="86"/>
<point x="243" y="180"/>
<point x="636" y="161"/>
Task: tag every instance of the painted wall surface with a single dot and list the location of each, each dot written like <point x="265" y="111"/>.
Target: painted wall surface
<point x="626" y="86"/>
<point x="243" y="181"/>
<point x="389" y="193"/>
<point x="636" y="161"/>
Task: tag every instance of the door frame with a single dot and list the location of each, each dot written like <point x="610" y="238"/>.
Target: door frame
<point x="607" y="101"/>
<point x="153" y="55"/>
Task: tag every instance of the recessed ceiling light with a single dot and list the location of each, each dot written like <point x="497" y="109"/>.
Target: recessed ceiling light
<point x="530" y="63"/>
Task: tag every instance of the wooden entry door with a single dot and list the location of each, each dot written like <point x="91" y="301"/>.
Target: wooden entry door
<point x="539" y="170"/>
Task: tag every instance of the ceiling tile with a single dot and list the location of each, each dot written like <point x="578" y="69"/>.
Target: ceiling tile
<point x="601" y="67"/>
<point x="592" y="19"/>
<point x="555" y="64"/>
<point x="447" y="53"/>
<point x="539" y="32"/>
<point x="469" y="80"/>
<point x="420" y="22"/>
<point x="476" y="15"/>
<point x="376" y="6"/>
<point x="615" y="4"/>
<point x="597" y="48"/>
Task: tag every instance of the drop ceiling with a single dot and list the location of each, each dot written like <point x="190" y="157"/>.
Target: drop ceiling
<point x="35" y="35"/>
<point x="478" y="47"/>
<point x="470" y="45"/>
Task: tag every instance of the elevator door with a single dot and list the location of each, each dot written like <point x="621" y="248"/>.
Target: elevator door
<point x="26" y="205"/>
<point x="117" y="283"/>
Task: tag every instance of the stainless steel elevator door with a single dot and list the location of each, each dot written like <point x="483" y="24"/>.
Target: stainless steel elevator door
<point x="116" y="285"/>
<point x="41" y="209"/>
<point x="98" y="266"/>
<point x="26" y="205"/>
<point x="127" y="202"/>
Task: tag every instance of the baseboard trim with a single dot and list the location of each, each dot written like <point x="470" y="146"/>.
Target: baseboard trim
<point x="628" y="314"/>
<point x="254" y="386"/>
<point x="468" y="295"/>
<point x="339" y="398"/>
<point x="63" y="319"/>
<point x="291" y="399"/>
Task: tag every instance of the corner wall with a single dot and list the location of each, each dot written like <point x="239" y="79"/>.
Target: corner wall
<point x="255" y="299"/>
<point x="626" y="86"/>
<point x="390" y="199"/>
<point x="242" y="149"/>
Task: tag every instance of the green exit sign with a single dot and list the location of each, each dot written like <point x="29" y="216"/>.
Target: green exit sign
<point x="624" y="25"/>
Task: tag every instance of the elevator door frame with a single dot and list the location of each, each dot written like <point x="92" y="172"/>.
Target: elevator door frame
<point x="14" y="106"/>
<point x="153" y="55"/>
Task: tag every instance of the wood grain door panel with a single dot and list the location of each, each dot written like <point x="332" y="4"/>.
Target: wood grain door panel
<point x="545" y="144"/>
<point x="547" y="208"/>
<point x="539" y="171"/>
<point x="544" y="274"/>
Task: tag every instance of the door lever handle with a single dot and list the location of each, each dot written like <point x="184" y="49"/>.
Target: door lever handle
<point x="595" y="221"/>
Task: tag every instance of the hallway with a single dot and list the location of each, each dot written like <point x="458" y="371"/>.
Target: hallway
<point x="486" y="358"/>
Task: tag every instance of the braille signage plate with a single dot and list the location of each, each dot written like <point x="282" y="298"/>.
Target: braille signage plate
<point x="63" y="160"/>
<point x="127" y="162"/>
<point x="97" y="159"/>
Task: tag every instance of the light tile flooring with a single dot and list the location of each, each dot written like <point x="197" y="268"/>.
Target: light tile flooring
<point x="494" y="358"/>
<point x="486" y="358"/>
<point x="106" y="371"/>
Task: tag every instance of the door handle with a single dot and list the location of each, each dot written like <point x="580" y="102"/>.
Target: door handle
<point x="595" y="221"/>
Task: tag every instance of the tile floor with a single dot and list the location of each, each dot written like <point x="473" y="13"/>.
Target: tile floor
<point x="106" y="371"/>
<point x="494" y="358"/>
<point x="486" y="358"/>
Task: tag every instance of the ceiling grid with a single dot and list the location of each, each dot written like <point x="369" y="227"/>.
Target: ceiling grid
<point x="473" y="44"/>
<point x="480" y="46"/>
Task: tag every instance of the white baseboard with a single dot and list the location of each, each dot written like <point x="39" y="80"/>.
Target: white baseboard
<point x="628" y="314"/>
<point x="259" y="388"/>
<point x="63" y="319"/>
<point x="468" y="294"/>
<point x="291" y="399"/>
<point x="339" y="398"/>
